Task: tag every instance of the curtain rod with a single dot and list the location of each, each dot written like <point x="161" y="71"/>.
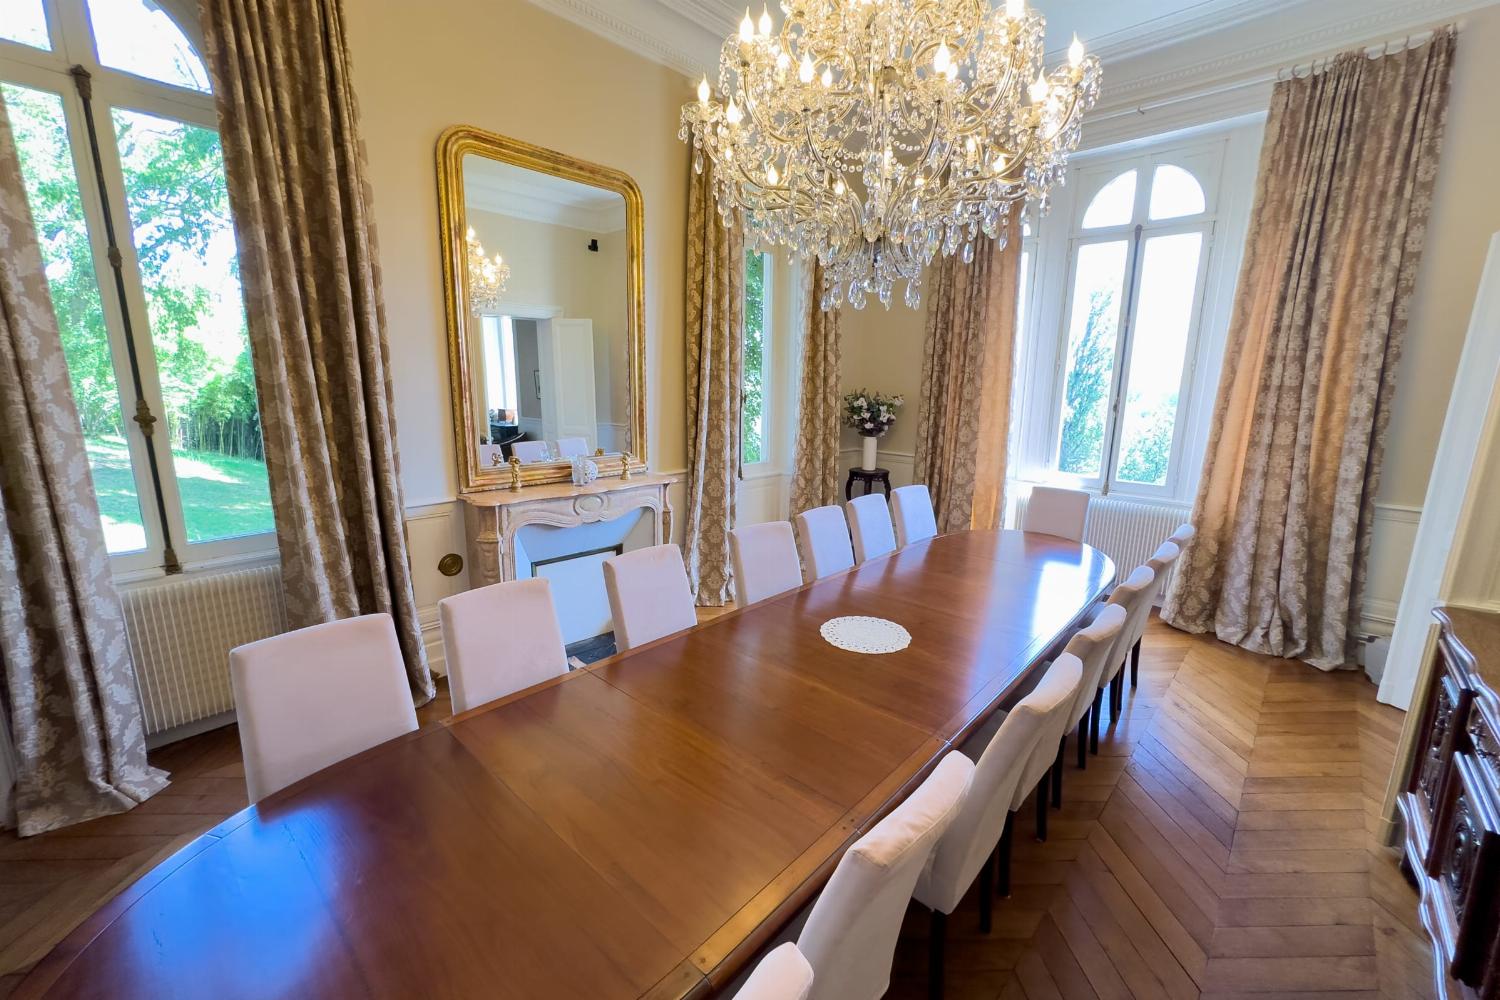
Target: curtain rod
<point x="1276" y="76"/>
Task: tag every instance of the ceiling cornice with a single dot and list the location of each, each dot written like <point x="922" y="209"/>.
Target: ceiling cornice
<point x="591" y="15"/>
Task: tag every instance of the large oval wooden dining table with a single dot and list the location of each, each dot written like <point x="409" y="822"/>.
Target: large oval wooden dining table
<point x="637" y="828"/>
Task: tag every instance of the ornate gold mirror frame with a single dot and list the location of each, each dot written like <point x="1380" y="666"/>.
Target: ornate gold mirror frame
<point x="453" y="145"/>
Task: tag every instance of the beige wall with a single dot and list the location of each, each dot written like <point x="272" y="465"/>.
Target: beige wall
<point x="882" y="352"/>
<point x="419" y="68"/>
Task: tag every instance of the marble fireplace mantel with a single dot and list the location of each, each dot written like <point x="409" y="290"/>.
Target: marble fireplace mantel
<point x="492" y="518"/>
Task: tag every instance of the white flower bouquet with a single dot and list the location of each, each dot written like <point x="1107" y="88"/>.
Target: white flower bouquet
<point x="872" y="414"/>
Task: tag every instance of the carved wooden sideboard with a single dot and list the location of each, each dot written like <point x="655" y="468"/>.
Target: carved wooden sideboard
<point x="1451" y="805"/>
<point x="493" y="517"/>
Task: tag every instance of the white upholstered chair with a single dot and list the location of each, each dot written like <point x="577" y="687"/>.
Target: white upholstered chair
<point x="1134" y="595"/>
<point x="911" y="510"/>
<point x="1161" y="563"/>
<point x="1182" y="535"/>
<point x="570" y="448"/>
<point x="531" y="451"/>
<point x="980" y="833"/>
<point x="1093" y="646"/>
<point x="649" y="595"/>
<point x="870" y="527"/>
<point x="850" y="935"/>
<point x="1055" y="694"/>
<point x="823" y="542"/>
<point x="1053" y="511"/>
<point x="782" y="975"/>
<point x="310" y="698"/>
<point x="500" y="639"/>
<point x="764" y="558"/>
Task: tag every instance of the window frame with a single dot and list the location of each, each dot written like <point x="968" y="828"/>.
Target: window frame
<point x="71" y="35"/>
<point x="1222" y="158"/>
<point x="767" y="462"/>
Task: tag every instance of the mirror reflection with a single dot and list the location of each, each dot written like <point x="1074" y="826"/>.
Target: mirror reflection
<point x="548" y="335"/>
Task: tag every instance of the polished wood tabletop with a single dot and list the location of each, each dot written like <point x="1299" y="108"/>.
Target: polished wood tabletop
<point x="639" y="828"/>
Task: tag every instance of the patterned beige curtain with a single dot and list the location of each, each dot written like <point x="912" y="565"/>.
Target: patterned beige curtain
<point x="815" y="471"/>
<point x="310" y="268"/>
<point x="967" y="360"/>
<point x="715" y="387"/>
<point x="70" y="690"/>
<point x="1285" y="506"/>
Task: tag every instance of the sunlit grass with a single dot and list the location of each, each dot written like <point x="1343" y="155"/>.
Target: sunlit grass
<point x="222" y="497"/>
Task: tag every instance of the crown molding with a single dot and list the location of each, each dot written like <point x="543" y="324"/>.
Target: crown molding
<point x="1204" y="18"/>
<point x="1296" y="41"/>
<point x="626" y="34"/>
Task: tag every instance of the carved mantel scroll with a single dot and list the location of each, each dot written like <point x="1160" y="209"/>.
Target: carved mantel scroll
<point x="493" y="519"/>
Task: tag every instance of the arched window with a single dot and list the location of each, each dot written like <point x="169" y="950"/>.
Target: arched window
<point x="1137" y="265"/>
<point x="159" y="342"/>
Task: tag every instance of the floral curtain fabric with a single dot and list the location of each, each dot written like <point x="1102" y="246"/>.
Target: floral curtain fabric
<point x="815" y="465"/>
<point x="1286" y="502"/>
<point x="967" y="365"/>
<point x="69" y="685"/>
<point x="309" y="264"/>
<point x="715" y="387"/>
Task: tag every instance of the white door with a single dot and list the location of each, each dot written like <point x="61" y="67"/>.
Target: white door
<point x="566" y="347"/>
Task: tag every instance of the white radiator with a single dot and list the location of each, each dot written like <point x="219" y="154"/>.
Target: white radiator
<point x="1128" y="531"/>
<point x="181" y="631"/>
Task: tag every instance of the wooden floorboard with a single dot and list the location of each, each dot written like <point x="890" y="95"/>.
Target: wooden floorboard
<point x="1218" y="848"/>
<point x="1229" y="856"/>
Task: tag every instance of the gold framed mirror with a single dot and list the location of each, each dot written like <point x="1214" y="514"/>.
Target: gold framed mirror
<point x="543" y="283"/>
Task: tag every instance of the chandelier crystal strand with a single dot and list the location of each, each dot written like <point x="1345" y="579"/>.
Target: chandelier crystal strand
<point x="487" y="276"/>
<point x="874" y="134"/>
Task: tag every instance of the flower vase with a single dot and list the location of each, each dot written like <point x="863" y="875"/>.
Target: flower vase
<point x="869" y="456"/>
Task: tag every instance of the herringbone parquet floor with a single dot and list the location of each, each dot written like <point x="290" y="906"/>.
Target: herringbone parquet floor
<point x="1217" y="847"/>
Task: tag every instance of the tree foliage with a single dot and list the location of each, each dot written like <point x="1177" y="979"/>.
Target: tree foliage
<point x="752" y="407"/>
<point x="1086" y="392"/>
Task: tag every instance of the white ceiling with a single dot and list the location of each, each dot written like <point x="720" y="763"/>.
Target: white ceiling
<point x="506" y="189"/>
<point x="1187" y="40"/>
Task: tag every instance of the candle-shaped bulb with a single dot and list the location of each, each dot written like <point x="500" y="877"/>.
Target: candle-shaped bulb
<point x="703" y="90"/>
<point x="747" y="27"/>
<point x="942" y="59"/>
<point x="765" y="20"/>
<point x="1075" y="53"/>
<point x="732" y="113"/>
<point x="805" y="71"/>
<point x="1015" y="9"/>
<point x="827" y="77"/>
<point x="838" y="187"/>
<point x="1038" y="91"/>
<point x="772" y="177"/>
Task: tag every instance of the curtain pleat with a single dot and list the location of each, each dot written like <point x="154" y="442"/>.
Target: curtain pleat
<point x="69" y="684"/>
<point x="963" y="423"/>
<point x="1286" y="501"/>
<point x="309" y="265"/>
<point x="715" y="326"/>
<point x="815" y="471"/>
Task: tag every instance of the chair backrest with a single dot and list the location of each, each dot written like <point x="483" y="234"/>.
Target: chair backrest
<point x="1182" y="535"/>
<point x="572" y="447"/>
<point x="782" y="975"/>
<point x="1093" y="646"/>
<point x="1162" y="559"/>
<point x="823" y="542"/>
<point x="1055" y="694"/>
<point x="1134" y="595"/>
<point x="500" y="639"/>
<point x="764" y="557"/>
<point x="530" y="451"/>
<point x="1053" y="511"/>
<point x="977" y="828"/>
<point x="911" y="509"/>
<point x="649" y="595"/>
<point x="310" y="698"/>
<point x="870" y="526"/>
<point x="850" y="935"/>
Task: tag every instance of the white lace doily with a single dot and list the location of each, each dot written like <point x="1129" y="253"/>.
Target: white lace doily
<point x="861" y="634"/>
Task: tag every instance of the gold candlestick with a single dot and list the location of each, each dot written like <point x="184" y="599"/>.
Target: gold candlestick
<point x="515" y="474"/>
<point x="624" y="465"/>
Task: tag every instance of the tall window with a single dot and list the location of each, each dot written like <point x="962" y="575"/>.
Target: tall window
<point x="153" y="328"/>
<point x="1137" y="264"/>
<point x="754" y="436"/>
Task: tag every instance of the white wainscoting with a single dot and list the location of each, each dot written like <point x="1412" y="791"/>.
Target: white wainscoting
<point x="900" y="463"/>
<point x="764" y="496"/>
<point x="432" y="531"/>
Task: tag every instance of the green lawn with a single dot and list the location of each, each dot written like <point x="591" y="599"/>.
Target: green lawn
<point x="221" y="496"/>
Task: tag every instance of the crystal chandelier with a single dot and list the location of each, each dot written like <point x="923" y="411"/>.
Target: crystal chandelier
<point x="874" y="133"/>
<point x="487" y="276"/>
